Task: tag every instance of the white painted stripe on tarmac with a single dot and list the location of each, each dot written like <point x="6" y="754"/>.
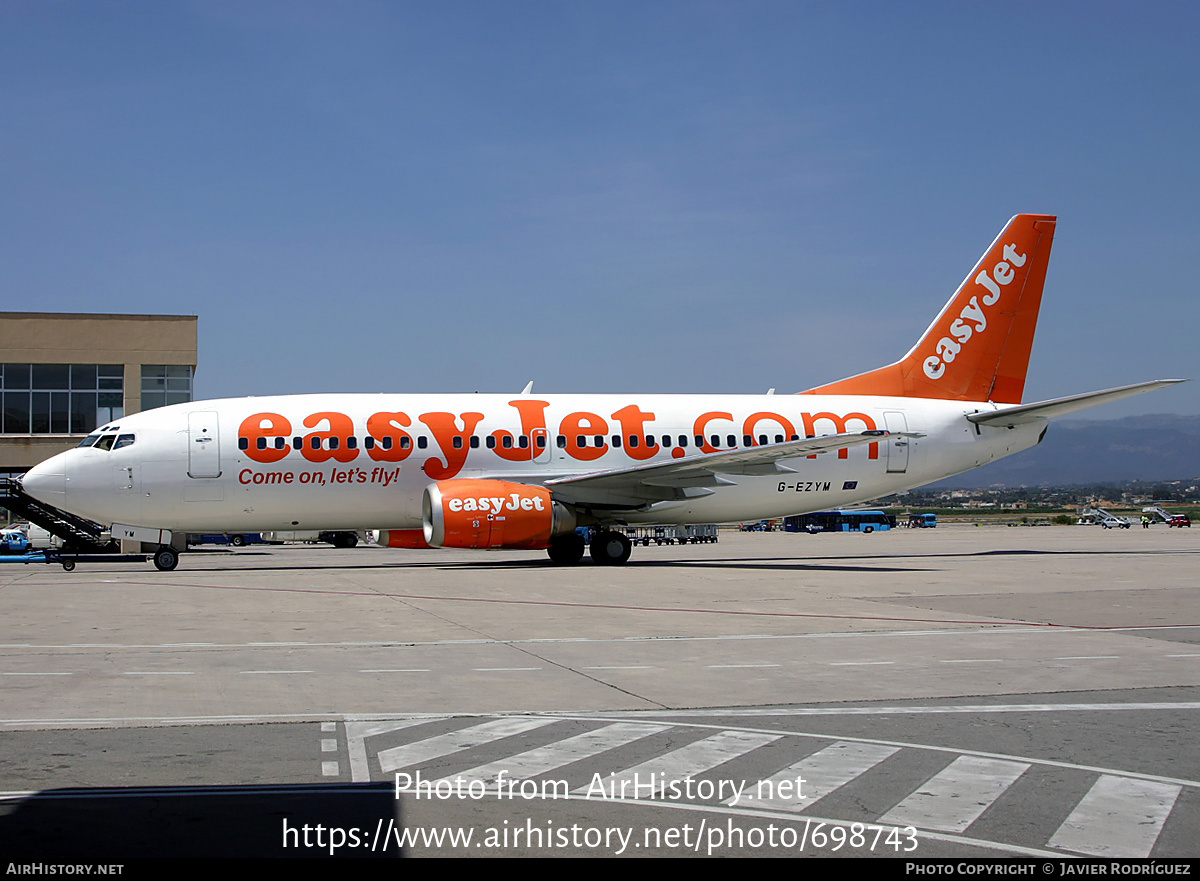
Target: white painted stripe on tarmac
<point x="969" y="709"/>
<point x="456" y="741"/>
<point x="556" y="755"/>
<point x="1029" y="630"/>
<point x="650" y="779"/>
<point x="1119" y="817"/>
<point x="357" y="729"/>
<point x="357" y="733"/>
<point x="158" y="673"/>
<point x="954" y="798"/>
<point x="820" y="774"/>
<point x="972" y="661"/>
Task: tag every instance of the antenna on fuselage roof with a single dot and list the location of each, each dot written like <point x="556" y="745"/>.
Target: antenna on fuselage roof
<point x="528" y="388"/>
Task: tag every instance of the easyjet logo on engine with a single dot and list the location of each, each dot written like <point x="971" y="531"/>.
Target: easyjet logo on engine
<point x="972" y="319"/>
<point x="497" y="504"/>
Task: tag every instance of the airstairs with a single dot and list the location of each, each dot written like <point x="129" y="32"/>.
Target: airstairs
<point x="78" y="534"/>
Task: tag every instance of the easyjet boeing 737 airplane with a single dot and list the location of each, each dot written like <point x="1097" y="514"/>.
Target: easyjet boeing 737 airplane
<point x="523" y="471"/>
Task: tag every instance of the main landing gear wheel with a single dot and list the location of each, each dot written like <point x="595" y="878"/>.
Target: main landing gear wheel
<point x="166" y="559"/>
<point x="566" y="550"/>
<point x="611" y="548"/>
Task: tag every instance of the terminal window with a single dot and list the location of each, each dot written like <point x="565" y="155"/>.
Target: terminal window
<point x="60" y="398"/>
<point x="164" y="384"/>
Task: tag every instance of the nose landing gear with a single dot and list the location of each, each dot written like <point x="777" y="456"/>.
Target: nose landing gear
<point x="166" y="558"/>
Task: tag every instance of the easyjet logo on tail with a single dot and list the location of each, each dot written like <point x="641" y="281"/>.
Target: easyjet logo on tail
<point x="972" y="319"/>
<point x="985" y="330"/>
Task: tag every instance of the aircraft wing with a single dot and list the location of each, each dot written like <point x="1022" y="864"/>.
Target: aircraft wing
<point x="1023" y="413"/>
<point x="695" y="476"/>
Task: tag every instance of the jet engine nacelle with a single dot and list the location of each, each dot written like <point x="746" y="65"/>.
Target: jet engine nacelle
<point x="470" y="513"/>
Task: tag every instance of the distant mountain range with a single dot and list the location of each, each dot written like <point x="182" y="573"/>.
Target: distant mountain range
<point x="1146" y="448"/>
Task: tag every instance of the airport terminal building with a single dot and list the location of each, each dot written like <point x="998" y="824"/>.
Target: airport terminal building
<point x="62" y="375"/>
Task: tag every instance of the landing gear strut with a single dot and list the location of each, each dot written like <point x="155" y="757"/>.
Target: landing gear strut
<point x="611" y="548"/>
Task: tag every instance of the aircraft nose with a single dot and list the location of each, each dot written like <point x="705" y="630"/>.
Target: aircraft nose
<point x="46" y="482"/>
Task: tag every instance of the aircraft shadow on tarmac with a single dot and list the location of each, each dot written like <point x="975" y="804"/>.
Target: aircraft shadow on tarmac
<point x="840" y="563"/>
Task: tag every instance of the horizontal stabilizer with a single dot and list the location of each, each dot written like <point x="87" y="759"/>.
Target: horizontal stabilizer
<point x="1061" y="406"/>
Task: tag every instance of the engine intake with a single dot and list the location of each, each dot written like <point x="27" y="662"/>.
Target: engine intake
<point x="468" y="513"/>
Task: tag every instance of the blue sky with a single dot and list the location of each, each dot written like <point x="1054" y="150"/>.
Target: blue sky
<point x="601" y="196"/>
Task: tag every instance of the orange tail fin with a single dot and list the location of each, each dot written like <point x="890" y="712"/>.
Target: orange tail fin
<point x="977" y="349"/>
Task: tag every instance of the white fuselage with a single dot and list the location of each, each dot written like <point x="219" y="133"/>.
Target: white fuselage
<point x="340" y="462"/>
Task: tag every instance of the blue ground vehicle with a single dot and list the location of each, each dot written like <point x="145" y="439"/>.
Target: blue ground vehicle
<point x="13" y="541"/>
<point x="839" y="521"/>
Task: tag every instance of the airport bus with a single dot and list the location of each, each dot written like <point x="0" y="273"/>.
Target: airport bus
<point x="840" y="521"/>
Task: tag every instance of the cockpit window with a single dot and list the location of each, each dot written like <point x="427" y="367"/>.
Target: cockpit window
<point x="89" y="440"/>
<point x="124" y="440"/>
<point x="105" y="442"/>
